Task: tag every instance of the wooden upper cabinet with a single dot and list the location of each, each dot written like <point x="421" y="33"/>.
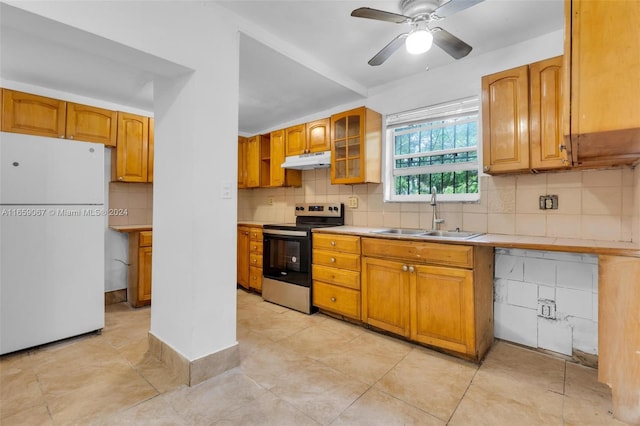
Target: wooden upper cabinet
<point x="280" y="176"/>
<point x="151" y="145"/>
<point x="296" y="140"/>
<point x="132" y="151"/>
<point x="242" y="162"/>
<point x="319" y="135"/>
<point x="91" y="124"/>
<point x="33" y="114"/>
<point x="356" y="146"/>
<point x="306" y="138"/>
<point x="602" y="45"/>
<point x="548" y="148"/>
<point x="522" y="118"/>
<point x="505" y="120"/>
<point x="253" y="161"/>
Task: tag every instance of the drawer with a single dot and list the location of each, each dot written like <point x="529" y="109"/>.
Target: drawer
<point x="340" y="300"/>
<point x="255" y="260"/>
<point x="336" y="259"/>
<point x="417" y="252"/>
<point x="346" y="243"/>
<point x="255" y="247"/>
<point x="341" y="277"/>
<point x="255" y="278"/>
<point x="145" y="239"/>
<point x="255" y="234"/>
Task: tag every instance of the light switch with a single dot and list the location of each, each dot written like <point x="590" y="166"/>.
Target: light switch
<point x="225" y="190"/>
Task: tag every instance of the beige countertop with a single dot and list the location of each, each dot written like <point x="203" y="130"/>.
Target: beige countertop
<point x="131" y="228"/>
<point x="507" y="241"/>
<point x="251" y="223"/>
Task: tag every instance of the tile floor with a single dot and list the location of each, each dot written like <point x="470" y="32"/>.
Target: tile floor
<point x="295" y="370"/>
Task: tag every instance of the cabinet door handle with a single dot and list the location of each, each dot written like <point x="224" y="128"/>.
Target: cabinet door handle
<point x="333" y="243"/>
<point x="333" y="299"/>
<point x="486" y="168"/>
<point x="411" y="269"/>
<point x="562" y="147"/>
<point x="120" y="178"/>
<point x="333" y="260"/>
<point x="405" y="268"/>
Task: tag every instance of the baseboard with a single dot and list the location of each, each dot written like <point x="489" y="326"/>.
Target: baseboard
<point x="115" y="296"/>
<point x="193" y="372"/>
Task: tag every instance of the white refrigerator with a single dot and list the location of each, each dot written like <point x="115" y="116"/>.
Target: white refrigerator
<point x="52" y="226"/>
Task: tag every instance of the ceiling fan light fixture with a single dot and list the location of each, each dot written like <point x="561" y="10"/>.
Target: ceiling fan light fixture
<point x="419" y="41"/>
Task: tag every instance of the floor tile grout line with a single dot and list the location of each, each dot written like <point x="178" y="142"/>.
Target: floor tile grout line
<point x="46" y="403"/>
<point x="463" y="394"/>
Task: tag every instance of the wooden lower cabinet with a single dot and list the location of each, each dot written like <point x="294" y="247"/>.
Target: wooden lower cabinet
<point x="336" y="274"/>
<point x="140" y="259"/>
<point x="249" y="258"/>
<point x="441" y="307"/>
<point x="436" y="294"/>
<point x="385" y="295"/>
<point x="242" y="264"/>
<point x="255" y="259"/>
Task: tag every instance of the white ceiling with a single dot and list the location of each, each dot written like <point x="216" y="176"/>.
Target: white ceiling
<point x="296" y="57"/>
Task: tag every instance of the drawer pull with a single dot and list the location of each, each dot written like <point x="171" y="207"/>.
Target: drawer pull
<point x="333" y="299"/>
<point x="333" y="243"/>
<point x="333" y="260"/>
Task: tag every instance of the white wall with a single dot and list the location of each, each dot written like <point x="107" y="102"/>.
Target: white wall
<point x="193" y="307"/>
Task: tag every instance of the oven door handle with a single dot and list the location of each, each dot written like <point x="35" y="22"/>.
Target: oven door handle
<point x="285" y="233"/>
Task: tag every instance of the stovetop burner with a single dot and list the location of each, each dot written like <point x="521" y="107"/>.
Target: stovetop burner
<point x="318" y="215"/>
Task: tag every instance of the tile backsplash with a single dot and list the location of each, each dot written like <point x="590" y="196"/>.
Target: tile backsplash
<point x="130" y="203"/>
<point x="595" y="204"/>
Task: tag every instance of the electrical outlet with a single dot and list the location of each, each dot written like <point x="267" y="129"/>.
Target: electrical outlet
<point x="353" y="202"/>
<point x="548" y="202"/>
<point x="270" y="201"/>
<point x="547" y="308"/>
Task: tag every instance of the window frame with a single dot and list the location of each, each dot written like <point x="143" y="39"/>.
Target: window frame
<point x="464" y="107"/>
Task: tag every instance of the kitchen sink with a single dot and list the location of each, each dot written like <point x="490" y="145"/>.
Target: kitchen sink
<point x="452" y="234"/>
<point x="463" y="235"/>
<point x="400" y="231"/>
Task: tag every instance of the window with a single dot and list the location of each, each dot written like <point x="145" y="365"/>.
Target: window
<point x="436" y="147"/>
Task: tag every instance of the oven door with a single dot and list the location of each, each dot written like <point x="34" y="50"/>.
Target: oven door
<point x="287" y="256"/>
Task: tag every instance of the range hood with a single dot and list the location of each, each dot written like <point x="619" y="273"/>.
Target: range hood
<point x="315" y="160"/>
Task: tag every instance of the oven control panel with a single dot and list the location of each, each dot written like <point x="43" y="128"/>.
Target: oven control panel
<point x="320" y="209"/>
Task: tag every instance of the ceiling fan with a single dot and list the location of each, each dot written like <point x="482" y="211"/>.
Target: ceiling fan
<point x="419" y="14"/>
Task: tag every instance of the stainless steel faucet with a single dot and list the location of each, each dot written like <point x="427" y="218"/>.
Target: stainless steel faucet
<point x="436" y="221"/>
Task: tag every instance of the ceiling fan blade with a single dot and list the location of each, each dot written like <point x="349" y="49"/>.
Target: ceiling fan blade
<point x="455" y="6"/>
<point x="450" y="43"/>
<point x="380" y="15"/>
<point x="388" y="50"/>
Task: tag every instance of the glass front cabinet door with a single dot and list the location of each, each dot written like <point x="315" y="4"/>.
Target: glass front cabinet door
<point x="356" y="146"/>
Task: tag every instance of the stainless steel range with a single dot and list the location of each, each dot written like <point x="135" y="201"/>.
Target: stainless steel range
<point x="286" y="256"/>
